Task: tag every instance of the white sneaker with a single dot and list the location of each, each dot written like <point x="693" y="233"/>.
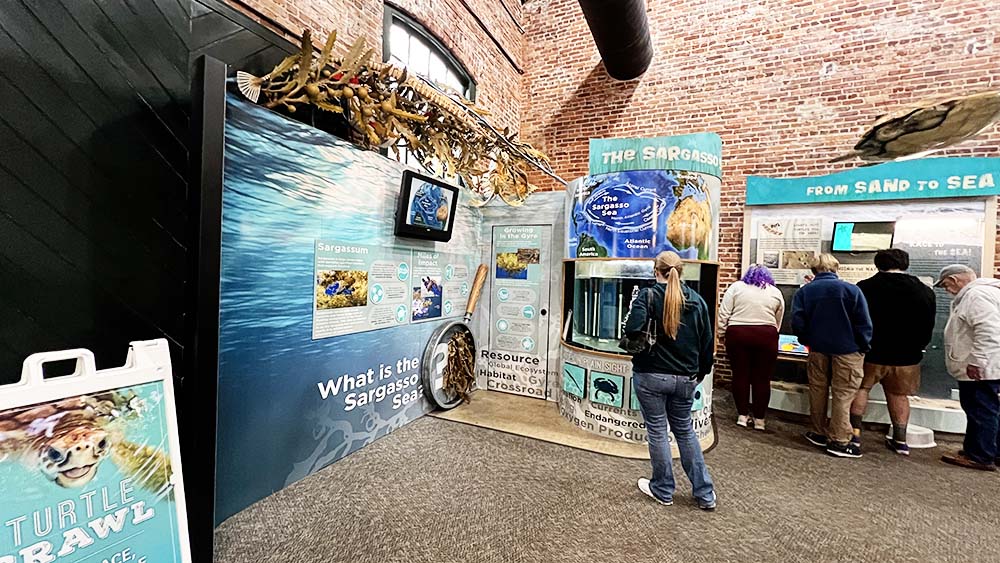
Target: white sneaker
<point x="644" y="487"/>
<point x="758" y="424"/>
<point x="742" y="420"/>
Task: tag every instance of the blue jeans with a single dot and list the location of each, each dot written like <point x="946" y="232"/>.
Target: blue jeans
<point x="982" y="410"/>
<point x="666" y="402"/>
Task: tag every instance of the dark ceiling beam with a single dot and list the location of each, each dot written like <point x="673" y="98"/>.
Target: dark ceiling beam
<point x="621" y="32"/>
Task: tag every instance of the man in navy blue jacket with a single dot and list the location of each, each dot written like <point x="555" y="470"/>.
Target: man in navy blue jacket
<point x="830" y="316"/>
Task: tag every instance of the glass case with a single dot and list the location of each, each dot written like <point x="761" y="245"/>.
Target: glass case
<point x="598" y="294"/>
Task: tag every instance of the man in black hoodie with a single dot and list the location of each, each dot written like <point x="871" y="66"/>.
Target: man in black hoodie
<point x="902" y="309"/>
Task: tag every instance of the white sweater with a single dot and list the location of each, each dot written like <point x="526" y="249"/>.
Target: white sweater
<point x="749" y="305"/>
<point x="972" y="336"/>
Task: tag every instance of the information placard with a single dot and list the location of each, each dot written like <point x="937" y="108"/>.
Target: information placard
<point x="787" y="246"/>
<point x="90" y="463"/>
<point x="518" y="338"/>
<point x="360" y="288"/>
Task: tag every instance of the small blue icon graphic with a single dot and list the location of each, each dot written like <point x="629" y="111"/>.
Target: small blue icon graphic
<point x="503" y="294"/>
<point x="403" y="271"/>
<point x="447" y="307"/>
<point x="503" y="325"/>
<point x="400" y="313"/>
<point x="528" y="312"/>
<point x="377" y="293"/>
<point x="528" y="343"/>
<point x="449" y="272"/>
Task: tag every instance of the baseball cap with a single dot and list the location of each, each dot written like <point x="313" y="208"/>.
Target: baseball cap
<point x="952" y="270"/>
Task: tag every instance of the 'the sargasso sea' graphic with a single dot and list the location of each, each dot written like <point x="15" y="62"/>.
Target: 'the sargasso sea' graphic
<point x="430" y="207"/>
<point x="640" y="213"/>
<point x="88" y="478"/>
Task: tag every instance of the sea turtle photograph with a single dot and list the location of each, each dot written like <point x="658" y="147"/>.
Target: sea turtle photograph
<point x="67" y="442"/>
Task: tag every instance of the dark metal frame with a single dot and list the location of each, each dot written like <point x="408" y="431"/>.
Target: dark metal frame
<point x="393" y="14"/>
<point x="199" y="390"/>
<point x="404" y="229"/>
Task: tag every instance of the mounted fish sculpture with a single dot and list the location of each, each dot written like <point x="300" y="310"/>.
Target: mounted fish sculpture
<point x="387" y="107"/>
<point x="918" y="129"/>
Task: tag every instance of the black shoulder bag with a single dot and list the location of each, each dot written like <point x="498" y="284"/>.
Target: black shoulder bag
<point x="639" y="342"/>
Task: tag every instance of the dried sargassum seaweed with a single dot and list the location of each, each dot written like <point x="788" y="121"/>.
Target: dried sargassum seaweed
<point x="510" y="262"/>
<point x="459" y="375"/>
<point x="388" y="107"/>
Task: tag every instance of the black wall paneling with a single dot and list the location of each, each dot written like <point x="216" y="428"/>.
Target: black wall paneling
<point x="94" y="166"/>
<point x="93" y="169"/>
<point x="220" y="32"/>
<point x="104" y="227"/>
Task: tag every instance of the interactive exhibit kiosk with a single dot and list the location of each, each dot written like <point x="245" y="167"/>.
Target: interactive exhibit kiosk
<point x="643" y="196"/>
<point x="939" y="210"/>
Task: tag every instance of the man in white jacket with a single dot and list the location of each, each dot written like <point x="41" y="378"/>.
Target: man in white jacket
<point x="972" y="355"/>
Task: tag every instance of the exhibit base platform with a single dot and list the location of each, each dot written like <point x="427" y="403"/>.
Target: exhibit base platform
<point x="535" y="418"/>
<point x="940" y="415"/>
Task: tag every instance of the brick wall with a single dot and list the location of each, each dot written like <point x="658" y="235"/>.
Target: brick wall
<point x="787" y="84"/>
<point x="454" y="22"/>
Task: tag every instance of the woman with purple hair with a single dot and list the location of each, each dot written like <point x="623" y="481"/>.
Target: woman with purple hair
<point x="749" y="318"/>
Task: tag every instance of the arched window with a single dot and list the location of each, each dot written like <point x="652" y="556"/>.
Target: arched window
<point x="406" y="43"/>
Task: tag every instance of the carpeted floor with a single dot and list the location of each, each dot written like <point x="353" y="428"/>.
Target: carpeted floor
<point x="440" y="492"/>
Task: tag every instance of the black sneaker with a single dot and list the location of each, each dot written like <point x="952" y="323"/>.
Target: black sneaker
<point x="816" y="439"/>
<point x="899" y="447"/>
<point x="845" y="449"/>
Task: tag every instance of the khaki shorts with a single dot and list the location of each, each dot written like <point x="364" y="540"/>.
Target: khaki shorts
<point x="895" y="380"/>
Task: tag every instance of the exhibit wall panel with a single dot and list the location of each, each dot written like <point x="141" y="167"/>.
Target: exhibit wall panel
<point x="511" y="367"/>
<point x="934" y="233"/>
<point x="307" y="231"/>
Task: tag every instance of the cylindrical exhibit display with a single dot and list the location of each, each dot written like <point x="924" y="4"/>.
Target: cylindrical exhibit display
<point x="643" y="196"/>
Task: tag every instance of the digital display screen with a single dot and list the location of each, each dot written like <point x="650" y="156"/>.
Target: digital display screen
<point x="789" y="344"/>
<point x="426" y="208"/>
<point x="429" y="206"/>
<point x="862" y="237"/>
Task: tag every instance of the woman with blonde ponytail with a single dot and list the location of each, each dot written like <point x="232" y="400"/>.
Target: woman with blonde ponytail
<point x="665" y="377"/>
<point x="673" y="298"/>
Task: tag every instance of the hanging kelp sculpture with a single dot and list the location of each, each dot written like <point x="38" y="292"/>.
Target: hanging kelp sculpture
<point x="387" y="107"/>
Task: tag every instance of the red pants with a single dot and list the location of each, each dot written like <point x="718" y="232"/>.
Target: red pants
<point x="753" y="352"/>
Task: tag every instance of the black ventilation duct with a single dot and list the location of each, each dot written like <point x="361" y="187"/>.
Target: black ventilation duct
<point x="621" y="32"/>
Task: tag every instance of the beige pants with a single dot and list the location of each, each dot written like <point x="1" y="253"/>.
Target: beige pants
<point x="843" y="373"/>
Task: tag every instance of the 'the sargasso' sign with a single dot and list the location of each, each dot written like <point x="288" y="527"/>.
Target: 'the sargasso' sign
<point x="697" y="152"/>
